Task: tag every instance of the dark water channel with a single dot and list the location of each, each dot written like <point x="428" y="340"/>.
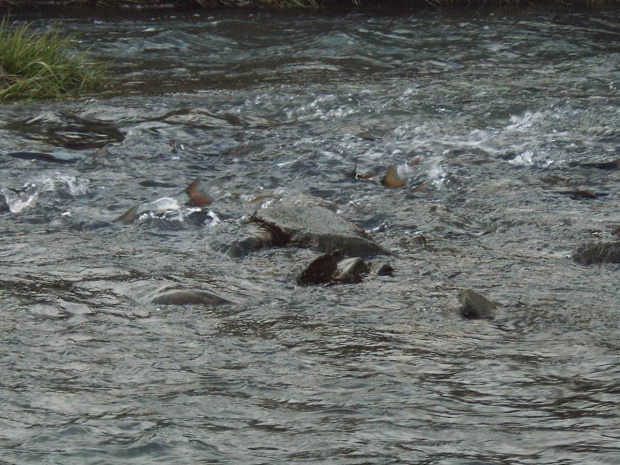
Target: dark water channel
<point x="485" y="117"/>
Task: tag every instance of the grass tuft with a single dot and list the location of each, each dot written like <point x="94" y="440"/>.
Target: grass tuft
<point x="38" y="66"/>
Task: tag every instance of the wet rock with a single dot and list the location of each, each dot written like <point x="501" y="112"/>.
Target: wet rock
<point x="333" y="268"/>
<point x="597" y="252"/>
<point x="476" y="306"/>
<point x="189" y="297"/>
<point x="417" y="241"/>
<point x="305" y="224"/>
<point x="350" y="270"/>
<point x="321" y="269"/>
<point x="382" y="269"/>
<point x="259" y="239"/>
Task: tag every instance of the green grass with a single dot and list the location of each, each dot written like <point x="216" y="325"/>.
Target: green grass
<point x="39" y="66"/>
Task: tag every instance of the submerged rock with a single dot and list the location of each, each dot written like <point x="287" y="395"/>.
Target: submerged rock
<point x="189" y="297"/>
<point x="258" y="239"/>
<point x="476" y="306"/>
<point x="305" y="224"/>
<point x="597" y="252"/>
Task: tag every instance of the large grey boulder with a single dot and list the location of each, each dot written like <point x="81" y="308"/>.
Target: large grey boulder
<point x="311" y="225"/>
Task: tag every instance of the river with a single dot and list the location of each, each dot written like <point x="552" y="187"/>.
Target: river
<point x="486" y="116"/>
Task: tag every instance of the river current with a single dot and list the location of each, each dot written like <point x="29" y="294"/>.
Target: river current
<point x="487" y="117"/>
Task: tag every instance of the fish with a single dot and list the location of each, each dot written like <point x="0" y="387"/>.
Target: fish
<point x="361" y="176"/>
<point x="579" y="194"/>
<point x="192" y="196"/>
<point x="392" y="179"/>
<point x="62" y="158"/>
<point x="606" y="165"/>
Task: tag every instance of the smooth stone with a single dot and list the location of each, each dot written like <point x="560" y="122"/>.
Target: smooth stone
<point x="321" y="269"/>
<point x="350" y="270"/>
<point x="476" y="306"/>
<point x="309" y="225"/>
<point x="189" y="297"/>
<point x="597" y="252"/>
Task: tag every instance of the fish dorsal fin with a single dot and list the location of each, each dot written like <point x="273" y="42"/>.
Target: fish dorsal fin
<point x="100" y="154"/>
<point x="196" y="197"/>
<point x="129" y="215"/>
<point x="392" y="179"/>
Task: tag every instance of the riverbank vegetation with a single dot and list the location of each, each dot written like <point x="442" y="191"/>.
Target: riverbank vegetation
<point x="110" y="4"/>
<point x="36" y="66"/>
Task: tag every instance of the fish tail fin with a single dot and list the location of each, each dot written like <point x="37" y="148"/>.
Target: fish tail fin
<point x="100" y="154"/>
<point x="392" y="179"/>
<point x="197" y="198"/>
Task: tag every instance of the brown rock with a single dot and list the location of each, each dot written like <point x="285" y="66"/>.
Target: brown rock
<point x="350" y="270"/>
<point x="321" y="269"/>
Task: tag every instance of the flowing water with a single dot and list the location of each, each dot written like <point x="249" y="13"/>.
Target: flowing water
<point x="486" y="117"/>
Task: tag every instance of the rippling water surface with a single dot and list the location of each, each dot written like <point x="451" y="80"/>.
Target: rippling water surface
<point x="485" y="116"/>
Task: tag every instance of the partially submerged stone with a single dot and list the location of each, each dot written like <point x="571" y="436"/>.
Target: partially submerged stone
<point x="597" y="252"/>
<point x="476" y="306"/>
<point x="382" y="269"/>
<point x="189" y="297"/>
<point x="350" y="270"/>
<point x="333" y="268"/>
<point x="257" y="239"/>
<point x="310" y="225"/>
<point x="321" y="269"/>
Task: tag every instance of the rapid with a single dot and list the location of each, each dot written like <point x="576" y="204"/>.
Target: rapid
<point x="488" y="117"/>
